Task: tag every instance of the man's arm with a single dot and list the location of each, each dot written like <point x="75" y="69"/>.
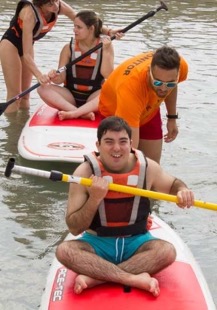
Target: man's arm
<point x="171" y="106"/>
<point x="184" y="194"/>
<point x="160" y="181"/>
<point x="170" y="102"/>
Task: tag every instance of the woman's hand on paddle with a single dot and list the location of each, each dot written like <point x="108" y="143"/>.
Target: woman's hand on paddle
<point x="43" y="79"/>
<point x="55" y="77"/>
<point x="106" y="42"/>
<point x="116" y="32"/>
<point x="52" y="76"/>
<point x="119" y="35"/>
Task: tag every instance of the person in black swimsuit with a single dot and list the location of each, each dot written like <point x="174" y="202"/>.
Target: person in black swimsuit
<point x="32" y="20"/>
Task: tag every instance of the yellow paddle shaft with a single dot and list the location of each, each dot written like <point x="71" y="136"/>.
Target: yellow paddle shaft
<point x="144" y="193"/>
<point x="59" y="176"/>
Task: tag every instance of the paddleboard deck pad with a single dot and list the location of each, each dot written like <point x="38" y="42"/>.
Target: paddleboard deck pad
<point x="46" y="138"/>
<point x="182" y="285"/>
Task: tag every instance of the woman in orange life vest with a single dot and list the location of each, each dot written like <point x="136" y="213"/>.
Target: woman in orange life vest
<point x="32" y="21"/>
<point x="82" y="81"/>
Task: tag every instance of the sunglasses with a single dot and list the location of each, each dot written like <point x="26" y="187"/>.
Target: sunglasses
<point x="158" y="83"/>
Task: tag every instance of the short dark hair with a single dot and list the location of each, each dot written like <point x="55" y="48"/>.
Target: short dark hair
<point x="166" y="58"/>
<point x="90" y="18"/>
<point x="113" y="123"/>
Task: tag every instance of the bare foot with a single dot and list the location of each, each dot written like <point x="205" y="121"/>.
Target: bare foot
<point x="145" y="282"/>
<point x="90" y="116"/>
<point x="71" y="114"/>
<point x="65" y="115"/>
<point x="82" y="282"/>
<point x="142" y="281"/>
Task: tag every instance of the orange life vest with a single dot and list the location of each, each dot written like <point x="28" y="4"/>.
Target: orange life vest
<point x="42" y="27"/>
<point x="121" y="214"/>
<point x="85" y="75"/>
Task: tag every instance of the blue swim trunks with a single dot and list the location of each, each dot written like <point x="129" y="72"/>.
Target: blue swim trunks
<point x="116" y="249"/>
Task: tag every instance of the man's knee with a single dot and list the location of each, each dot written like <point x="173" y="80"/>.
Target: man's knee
<point x="170" y="252"/>
<point x="61" y="252"/>
<point x="166" y="252"/>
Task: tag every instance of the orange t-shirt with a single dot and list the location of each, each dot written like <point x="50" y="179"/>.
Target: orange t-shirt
<point x="127" y="92"/>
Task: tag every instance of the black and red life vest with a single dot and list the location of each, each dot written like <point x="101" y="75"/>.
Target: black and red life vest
<point x="42" y="27"/>
<point x="121" y="214"/>
<point x="85" y="75"/>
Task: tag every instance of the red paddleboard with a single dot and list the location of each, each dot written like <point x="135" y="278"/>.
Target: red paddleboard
<point x="46" y="138"/>
<point x="182" y="285"/>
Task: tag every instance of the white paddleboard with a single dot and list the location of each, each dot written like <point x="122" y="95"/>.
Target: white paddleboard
<point x="182" y="285"/>
<point x="46" y="138"/>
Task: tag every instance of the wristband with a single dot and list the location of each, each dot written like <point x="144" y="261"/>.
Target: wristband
<point x="172" y="116"/>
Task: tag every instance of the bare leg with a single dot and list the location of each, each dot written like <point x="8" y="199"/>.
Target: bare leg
<point x="151" y="148"/>
<point x="85" y="111"/>
<point x="26" y="82"/>
<point x="57" y="97"/>
<point x="92" y="269"/>
<point x="151" y="257"/>
<point x="60" y="98"/>
<point x="12" y="70"/>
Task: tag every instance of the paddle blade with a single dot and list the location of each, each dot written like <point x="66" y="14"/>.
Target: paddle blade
<point x="3" y="107"/>
<point x="163" y="6"/>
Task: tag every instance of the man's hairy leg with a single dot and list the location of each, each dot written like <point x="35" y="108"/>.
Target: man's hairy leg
<point x="151" y="257"/>
<point x="93" y="270"/>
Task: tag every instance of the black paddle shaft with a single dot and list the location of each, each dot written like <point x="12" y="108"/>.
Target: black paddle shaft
<point x="4" y="105"/>
<point x="98" y="46"/>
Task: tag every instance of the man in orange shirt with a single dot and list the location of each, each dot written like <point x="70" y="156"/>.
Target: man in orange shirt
<point x="135" y="90"/>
